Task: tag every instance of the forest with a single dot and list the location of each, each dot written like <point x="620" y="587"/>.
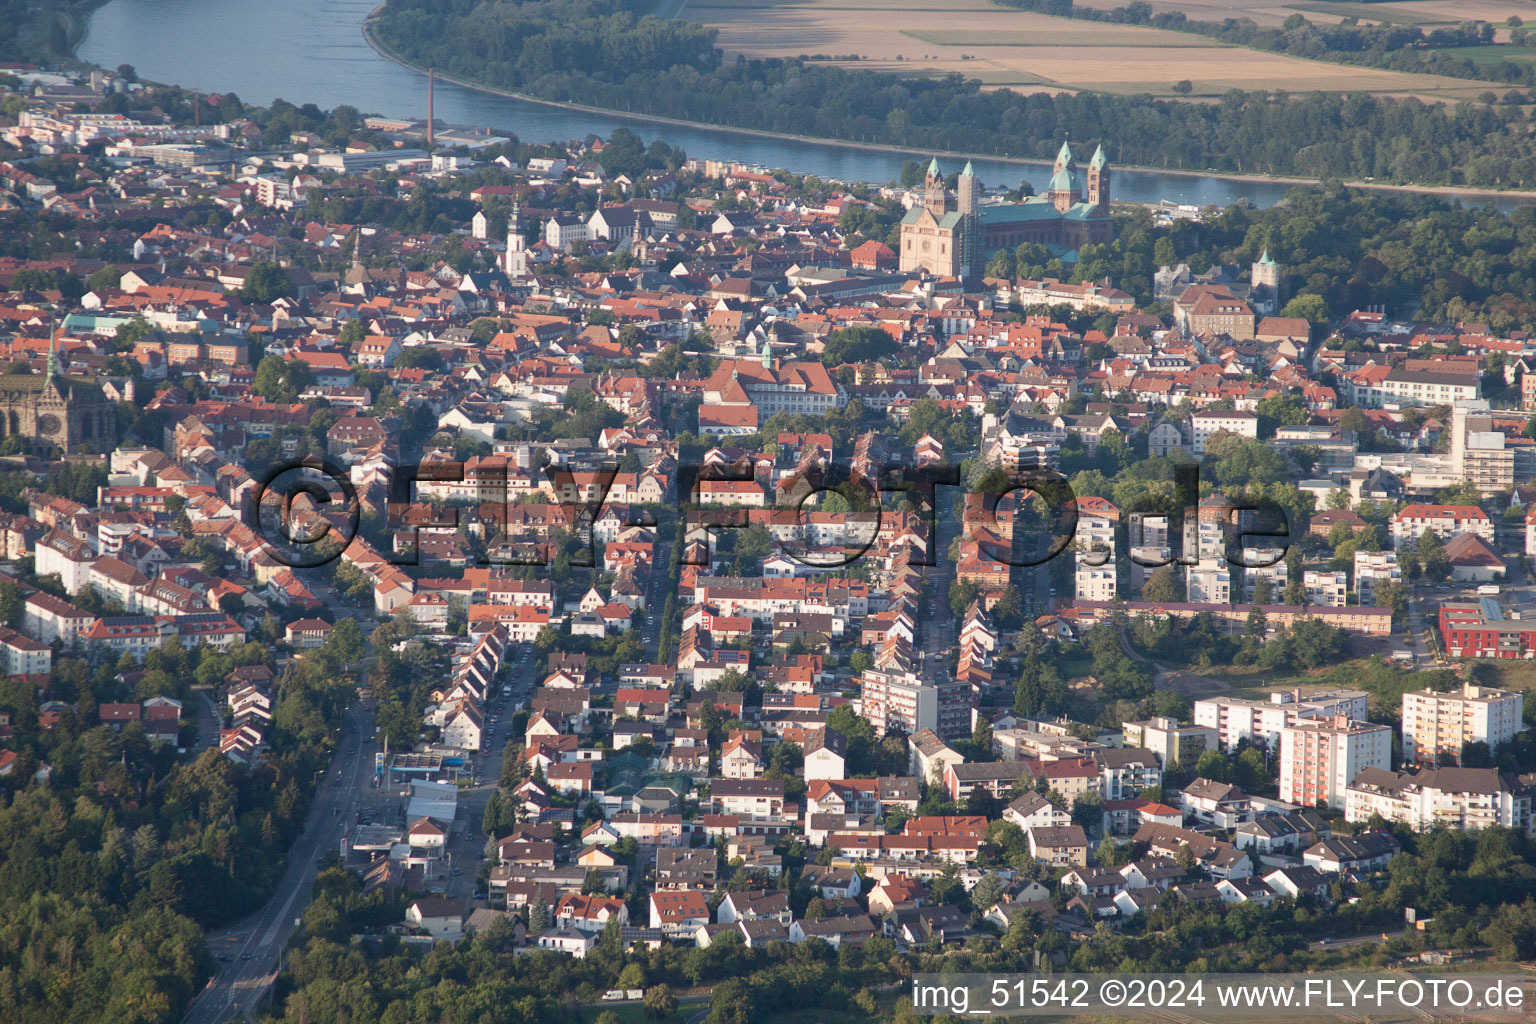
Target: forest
<point x="118" y="852"/>
<point x="601" y="52"/>
<point x="1342" y="249"/>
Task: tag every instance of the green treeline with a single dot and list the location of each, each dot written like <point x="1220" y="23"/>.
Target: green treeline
<point x="601" y="52"/>
<point x="117" y="852"/>
<point x="1342" y="249"/>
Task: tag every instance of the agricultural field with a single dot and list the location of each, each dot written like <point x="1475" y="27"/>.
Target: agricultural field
<point x="1490" y="54"/>
<point x="1396" y="12"/>
<point x="1006" y="48"/>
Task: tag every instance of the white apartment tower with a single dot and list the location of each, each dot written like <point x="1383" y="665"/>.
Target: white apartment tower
<point x="1437" y="725"/>
<point x="1319" y="759"/>
<point x="1261" y="721"/>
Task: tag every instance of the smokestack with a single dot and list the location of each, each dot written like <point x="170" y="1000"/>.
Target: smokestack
<point x="431" y="82"/>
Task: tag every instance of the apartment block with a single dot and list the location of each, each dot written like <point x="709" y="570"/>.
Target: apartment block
<point x="902" y="701"/>
<point x="1261" y="722"/>
<point x="1171" y="742"/>
<point x="1373" y="567"/>
<point x="1470" y="799"/>
<point x="1325" y="588"/>
<point x="1437" y="725"/>
<point x="1320" y="758"/>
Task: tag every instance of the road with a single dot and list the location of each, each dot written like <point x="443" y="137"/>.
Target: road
<point x="1359" y="940"/>
<point x="656" y="598"/>
<point x="938" y="630"/>
<point x="209" y="722"/>
<point x="465" y="847"/>
<point x="249" y="952"/>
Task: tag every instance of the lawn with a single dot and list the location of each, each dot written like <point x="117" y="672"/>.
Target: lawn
<point x="634" y="1013"/>
<point x="1508" y="675"/>
<point x="1494" y="53"/>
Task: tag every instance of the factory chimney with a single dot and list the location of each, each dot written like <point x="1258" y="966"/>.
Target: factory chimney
<point x="431" y="81"/>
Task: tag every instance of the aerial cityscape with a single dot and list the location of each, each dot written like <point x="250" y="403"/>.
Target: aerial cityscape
<point x="718" y="513"/>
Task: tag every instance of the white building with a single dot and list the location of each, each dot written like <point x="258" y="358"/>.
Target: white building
<point x="1094" y="583"/>
<point x="1206" y="425"/>
<point x="1258" y="721"/>
<point x="904" y="702"/>
<point x="1319" y="759"/>
<point x="1446" y="521"/>
<point x="1208" y="582"/>
<point x="1469" y="799"/>
<point x="1371" y="568"/>
<point x="1326" y="588"/>
<point x="1437" y="725"/>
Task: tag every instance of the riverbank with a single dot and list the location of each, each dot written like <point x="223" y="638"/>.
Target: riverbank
<point x="54" y="31"/>
<point x="1444" y="191"/>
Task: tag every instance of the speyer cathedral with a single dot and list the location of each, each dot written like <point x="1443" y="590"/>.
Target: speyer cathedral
<point x="955" y="236"/>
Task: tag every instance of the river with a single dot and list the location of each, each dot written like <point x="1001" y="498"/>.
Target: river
<point x="313" y="51"/>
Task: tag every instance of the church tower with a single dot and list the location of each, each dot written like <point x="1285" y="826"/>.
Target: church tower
<point x="968" y="203"/>
<point x="1066" y="188"/>
<point x="968" y="193"/>
<point x="1098" y="182"/>
<point x="517" y="252"/>
<point x="934" y="196"/>
<point x="1264" y="279"/>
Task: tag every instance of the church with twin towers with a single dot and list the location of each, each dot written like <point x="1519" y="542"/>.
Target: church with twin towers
<point x="953" y="235"/>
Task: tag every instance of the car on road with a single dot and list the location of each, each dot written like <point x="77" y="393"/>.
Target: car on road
<point x="245" y="956"/>
<point x="457" y="872"/>
<point x="223" y="959"/>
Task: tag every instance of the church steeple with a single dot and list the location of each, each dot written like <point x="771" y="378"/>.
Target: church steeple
<point x="1098" y="182"/>
<point x="517" y="245"/>
<point x="934" y="196"/>
<point x="53" y="359"/>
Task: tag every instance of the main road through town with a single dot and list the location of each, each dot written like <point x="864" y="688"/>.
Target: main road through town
<point x="249" y="953"/>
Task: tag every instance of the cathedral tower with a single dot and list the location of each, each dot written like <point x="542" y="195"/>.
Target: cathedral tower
<point x="934" y="196"/>
<point x="1098" y="182"/>
<point x="1066" y="188"/>
<point x="967" y="204"/>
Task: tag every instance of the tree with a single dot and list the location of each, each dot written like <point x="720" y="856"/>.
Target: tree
<point x="266" y="282"/>
<point x="987" y="891"/>
<point x="730" y="1003"/>
<point x="105" y="279"/>
<point x="1311" y="308"/>
<point x="858" y="345"/>
<point x="11" y="604"/>
<point x="1280" y="411"/>
<point x="1183" y="87"/>
<point x="281" y="380"/>
<point x="660" y="1003"/>
<point x="1163" y="585"/>
<point x="1088" y="811"/>
<point x="981" y="738"/>
<point x="538" y="915"/>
